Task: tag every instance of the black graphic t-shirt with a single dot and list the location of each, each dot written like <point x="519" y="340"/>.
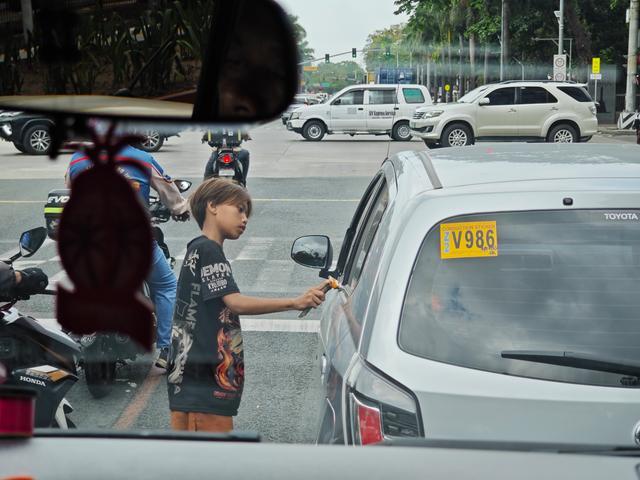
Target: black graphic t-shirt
<point x="207" y="368"/>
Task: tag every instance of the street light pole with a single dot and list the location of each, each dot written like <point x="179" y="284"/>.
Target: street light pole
<point x="632" y="63"/>
<point x="561" y="29"/>
<point x="502" y="43"/>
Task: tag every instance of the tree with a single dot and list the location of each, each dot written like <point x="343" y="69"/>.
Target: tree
<point x="305" y="52"/>
<point x="596" y="26"/>
<point x="385" y="48"/>
<point x="331" y="77"/>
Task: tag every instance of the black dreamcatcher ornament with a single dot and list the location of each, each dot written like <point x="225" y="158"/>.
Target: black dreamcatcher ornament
<point x="105" y="246"/>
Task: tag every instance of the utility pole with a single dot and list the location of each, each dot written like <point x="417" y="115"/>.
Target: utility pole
<point x="632" y="61"/>
<point x="561" y="29"/>
<point x="27" y="18"/>
<point x="504" y="38"/>
<point x="502" y="42"/>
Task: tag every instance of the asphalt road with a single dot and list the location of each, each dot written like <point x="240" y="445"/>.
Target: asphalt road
<point x="299" y="188"/>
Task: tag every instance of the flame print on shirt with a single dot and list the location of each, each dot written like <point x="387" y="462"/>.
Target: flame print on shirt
<point x="230" y="371"/>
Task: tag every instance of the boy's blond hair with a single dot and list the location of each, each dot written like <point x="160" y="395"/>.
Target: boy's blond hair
<point x="217" y="191"/>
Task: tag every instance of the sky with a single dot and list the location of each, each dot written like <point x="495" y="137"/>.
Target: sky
<point x="335" y="26"/>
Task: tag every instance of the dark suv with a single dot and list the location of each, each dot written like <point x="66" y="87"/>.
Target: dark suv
<point x="30" y="133"/>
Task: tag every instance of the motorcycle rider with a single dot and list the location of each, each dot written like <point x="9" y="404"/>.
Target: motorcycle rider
<point x="14" y="283"/>
<point x="214" y="139"/>
<point x="161" y="280"/>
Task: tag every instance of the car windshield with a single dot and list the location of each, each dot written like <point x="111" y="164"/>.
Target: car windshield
<point x="145" y="73"/>
<point x="472" y="95"/>
<point x="542" y="291"/>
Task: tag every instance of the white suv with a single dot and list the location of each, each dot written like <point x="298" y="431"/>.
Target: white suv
<point x="362" y="109"/>
<point x="550" y="111"/>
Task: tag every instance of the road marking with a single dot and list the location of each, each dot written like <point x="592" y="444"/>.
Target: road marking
<point x="279" y="325"/>
<point x="315" y="200"/>
<point x="275" y="274"/>
<point x="319" y="200"/>
<point x="248" y="324"/>
<point x="20" y="264"/>
<point x="8" y="253"/>
<point x="140" y="400"/>
<point x="256" y="248"/>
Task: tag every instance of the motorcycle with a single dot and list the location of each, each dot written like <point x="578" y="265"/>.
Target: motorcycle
<point x="104" y="352"/>
<point x="34" y="356"/>
<point x="225" y="160"/>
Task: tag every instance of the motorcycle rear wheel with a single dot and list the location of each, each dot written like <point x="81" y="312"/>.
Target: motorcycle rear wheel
<point x="99" y="370"/>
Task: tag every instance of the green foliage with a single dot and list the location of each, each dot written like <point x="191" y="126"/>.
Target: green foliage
<point x="597" y="27"/>
<point x="114" y="50"/>
<point x="11" y="78"/>
<point x="337" y="75"/>
<point x="305" y="52"/>
<point x="392" y="39"/>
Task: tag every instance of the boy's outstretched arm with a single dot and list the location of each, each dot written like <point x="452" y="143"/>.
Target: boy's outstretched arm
<point x="244" y="305"/>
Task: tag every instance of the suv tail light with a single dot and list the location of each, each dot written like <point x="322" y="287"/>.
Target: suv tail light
<point x="367" y="421"/>
<point x="593" y="109"/>
<point x="378" y="408"/>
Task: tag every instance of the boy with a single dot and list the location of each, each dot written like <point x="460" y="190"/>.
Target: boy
<point x="207" y="372"/>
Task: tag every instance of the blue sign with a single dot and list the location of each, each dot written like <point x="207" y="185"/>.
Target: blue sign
<point x="396" y="75"/>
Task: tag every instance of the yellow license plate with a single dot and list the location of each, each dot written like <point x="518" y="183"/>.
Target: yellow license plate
<point x="468" y="240"/>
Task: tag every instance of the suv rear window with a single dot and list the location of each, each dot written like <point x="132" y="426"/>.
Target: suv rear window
<point x="413" y="95"/>
<point x="577" y="93"/>
<point x="562" y="281"/>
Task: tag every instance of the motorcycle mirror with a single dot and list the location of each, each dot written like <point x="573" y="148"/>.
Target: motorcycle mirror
<point x="183" y="185"/>
<point x="245" y="63"/>
<point x="313" y="251"/>
<point x="32" y="240"/>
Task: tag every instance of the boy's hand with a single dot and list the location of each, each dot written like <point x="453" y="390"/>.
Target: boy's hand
<point x="312" y="297"/>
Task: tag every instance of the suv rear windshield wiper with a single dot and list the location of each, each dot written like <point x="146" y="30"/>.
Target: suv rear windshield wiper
<point x="575" y="360"/>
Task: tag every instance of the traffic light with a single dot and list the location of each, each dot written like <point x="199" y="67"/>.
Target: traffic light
<point x="353" y="53"/>
<point x="326" y="58"/>
<point x="387" y="52"/>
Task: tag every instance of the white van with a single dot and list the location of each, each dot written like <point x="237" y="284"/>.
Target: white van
<point x="376" y="109"/>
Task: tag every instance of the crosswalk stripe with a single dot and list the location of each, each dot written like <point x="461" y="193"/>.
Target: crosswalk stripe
<point x="8" y="253"/>
<point x="255" y="249"/>
<point x="248" y="325"/>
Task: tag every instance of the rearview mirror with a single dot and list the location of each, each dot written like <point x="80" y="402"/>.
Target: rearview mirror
<point x="208" y="61"/>
<point x="183" y="185"/>
<point x="484" y="101"/>
<point x="32" y="240"/>
<point x="313" y="251"/>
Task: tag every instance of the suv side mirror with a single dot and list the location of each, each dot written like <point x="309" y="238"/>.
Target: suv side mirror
<point x="484" y="101"/>
<point x="337" y="102"/>
<point x="313" y="251"/>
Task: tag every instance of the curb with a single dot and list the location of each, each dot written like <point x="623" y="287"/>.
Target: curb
<point x="616" y="132"/>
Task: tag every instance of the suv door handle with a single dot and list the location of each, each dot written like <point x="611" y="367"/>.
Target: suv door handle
<point x="555" y="108"/>
<point x="513" y="110"/>
<point x="396" y="108"/>
<point x="360" y="108"/>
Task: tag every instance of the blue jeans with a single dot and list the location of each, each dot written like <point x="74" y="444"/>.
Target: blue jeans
<point x="162" y="286"/>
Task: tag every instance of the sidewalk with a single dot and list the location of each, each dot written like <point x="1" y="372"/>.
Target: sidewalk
<point x="612" y="129"/>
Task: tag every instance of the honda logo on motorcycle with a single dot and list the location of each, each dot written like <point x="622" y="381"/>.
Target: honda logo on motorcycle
<point x="35" y="381"/>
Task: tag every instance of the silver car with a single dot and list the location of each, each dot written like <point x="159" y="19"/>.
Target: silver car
<point x="488" y="293"/>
